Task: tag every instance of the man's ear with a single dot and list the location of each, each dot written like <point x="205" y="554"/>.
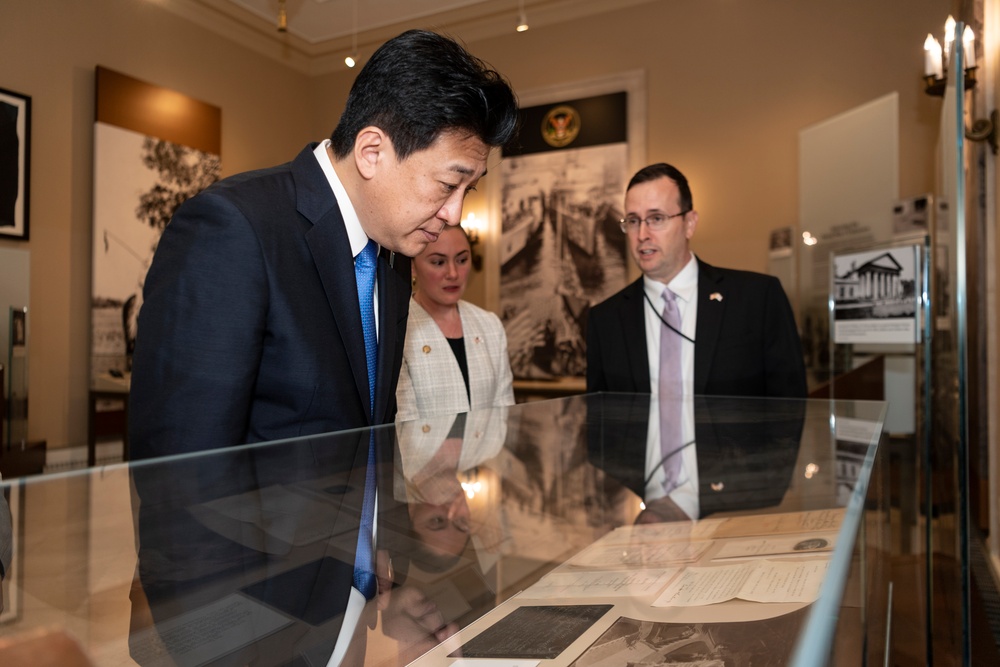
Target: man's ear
<point x="690" y="222"/>
<point x="371" y="148"/>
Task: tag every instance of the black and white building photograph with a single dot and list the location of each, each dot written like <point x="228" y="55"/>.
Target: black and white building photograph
<point x="875" y="296"/>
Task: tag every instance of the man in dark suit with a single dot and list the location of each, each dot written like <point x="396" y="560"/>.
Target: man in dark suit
<point x="255" y="327"/>
<point x="250" y="328"/>
<point x="737" y="331"/>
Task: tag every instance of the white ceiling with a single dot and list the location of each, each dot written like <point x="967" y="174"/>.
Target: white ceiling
<point x="322" y="32"/>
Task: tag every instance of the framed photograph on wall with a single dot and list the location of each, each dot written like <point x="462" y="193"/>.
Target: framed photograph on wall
<point x="15" y="160"/>
<point x="876" y="295"/>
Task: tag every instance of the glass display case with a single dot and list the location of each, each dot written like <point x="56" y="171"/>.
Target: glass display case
<point x="556" y="532"/>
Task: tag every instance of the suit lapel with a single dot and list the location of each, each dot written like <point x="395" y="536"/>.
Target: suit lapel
<point x="709" y="324"/>
<point x="393" y="290"/>
<point x="634" y="334"/>
<point x="331" y="252"/>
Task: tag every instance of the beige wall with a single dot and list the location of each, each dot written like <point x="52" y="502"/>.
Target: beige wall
<point x="729" y="86"/>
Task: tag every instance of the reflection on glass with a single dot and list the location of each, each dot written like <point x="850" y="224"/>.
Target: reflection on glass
<point x="245" y="555"/>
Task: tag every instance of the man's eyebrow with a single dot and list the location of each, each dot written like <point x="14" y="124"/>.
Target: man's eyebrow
<point x="465" y="171"/>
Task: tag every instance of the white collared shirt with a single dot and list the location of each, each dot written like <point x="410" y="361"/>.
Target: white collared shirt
<point x="685" y="286"/>
<point x="358" y="239"/>
<point x="355" y="232"/>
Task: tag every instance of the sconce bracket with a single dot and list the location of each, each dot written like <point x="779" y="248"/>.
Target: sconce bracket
<point x="935" y="87"/>
<point x="477" y="259"/>
<point x="985" y="129"/>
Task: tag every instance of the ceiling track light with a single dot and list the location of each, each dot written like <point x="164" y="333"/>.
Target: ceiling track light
<point x="522" y="20"/>
<point x="352" y="59"/>
<point x="282" y="17"/>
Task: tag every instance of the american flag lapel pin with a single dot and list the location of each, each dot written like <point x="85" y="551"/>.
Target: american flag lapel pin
<point x="715" y="296"/>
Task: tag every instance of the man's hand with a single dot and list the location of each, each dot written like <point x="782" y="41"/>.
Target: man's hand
<point x="411" y="618"/>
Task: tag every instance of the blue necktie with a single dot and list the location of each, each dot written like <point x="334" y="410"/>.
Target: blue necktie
<point x="364" y="561"/>
<point x="671" y="390"/>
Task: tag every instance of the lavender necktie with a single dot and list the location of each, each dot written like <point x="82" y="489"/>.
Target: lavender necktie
<point x="671" y="391"/>
<point x="364" y="560"/>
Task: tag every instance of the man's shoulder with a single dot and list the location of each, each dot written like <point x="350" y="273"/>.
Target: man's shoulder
<point x="254" y="180"/>
<point x="738" y="276"/>
<point x="622" y="296"/>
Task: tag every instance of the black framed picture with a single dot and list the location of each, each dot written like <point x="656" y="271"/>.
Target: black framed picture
<point x="15" y="156"/>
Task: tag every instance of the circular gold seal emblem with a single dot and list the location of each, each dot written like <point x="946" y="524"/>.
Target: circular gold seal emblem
<point x="560" y="126"/>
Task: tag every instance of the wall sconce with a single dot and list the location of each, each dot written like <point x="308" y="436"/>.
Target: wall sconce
<point x="936" y="77"/>
<point x="936" y="59"/>
<point x="472" y="227"/>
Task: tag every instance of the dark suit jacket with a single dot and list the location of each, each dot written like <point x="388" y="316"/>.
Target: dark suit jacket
<point x="746" y="343"/>
<point x="250" y="329"/>
<point x="276" y="523"/>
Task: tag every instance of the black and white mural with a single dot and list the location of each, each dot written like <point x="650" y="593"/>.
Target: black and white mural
<point x="561" y="246"/>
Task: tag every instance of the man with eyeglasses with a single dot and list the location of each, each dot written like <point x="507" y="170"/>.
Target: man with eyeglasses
<point x="733" y="332"/>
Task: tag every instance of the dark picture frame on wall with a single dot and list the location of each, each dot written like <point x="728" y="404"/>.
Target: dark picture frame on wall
<point x="15" y="161"/>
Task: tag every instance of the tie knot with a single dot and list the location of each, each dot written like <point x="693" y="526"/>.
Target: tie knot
<point x="669" y="297"/>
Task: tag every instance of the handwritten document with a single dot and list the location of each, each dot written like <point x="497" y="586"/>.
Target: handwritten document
<point x="610" y="556"/>
<point x="777" y="524"/>
<point x="621" y="583"/>
<point x="670" y="531"/>
<point x="757" y="581"/>
<point x="798" y="545"/>
<point x="205" y="634"/>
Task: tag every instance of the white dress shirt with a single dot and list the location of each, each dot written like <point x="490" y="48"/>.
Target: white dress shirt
<point x="358" y="239"/>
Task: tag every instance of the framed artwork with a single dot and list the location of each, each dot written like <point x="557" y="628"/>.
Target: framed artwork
<point x="780" y="243"/>
<point x="875" y="295"/>
<point x="15" y="160"/>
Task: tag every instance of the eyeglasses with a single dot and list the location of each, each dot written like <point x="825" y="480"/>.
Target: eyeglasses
<point x="655" y="222"/>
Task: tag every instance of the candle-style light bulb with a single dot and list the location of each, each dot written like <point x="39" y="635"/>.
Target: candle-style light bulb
<point x="930" y="68"/>
<point x="949" y="37"/>
<point x="969" y="47"/>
